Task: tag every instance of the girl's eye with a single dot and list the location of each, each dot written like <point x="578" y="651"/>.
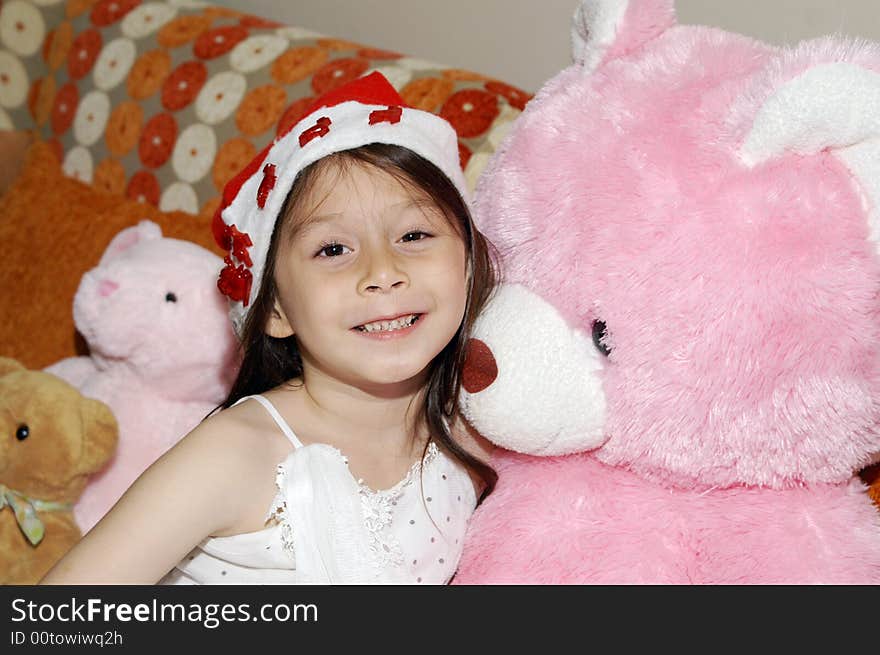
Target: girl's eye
<point x="415" y="236"/>
<point x="332" y="250"/>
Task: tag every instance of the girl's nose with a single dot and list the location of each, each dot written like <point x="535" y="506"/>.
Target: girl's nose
<point x="382" y="272"/>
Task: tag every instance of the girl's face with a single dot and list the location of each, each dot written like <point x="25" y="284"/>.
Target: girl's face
<point x="372" y="281"/>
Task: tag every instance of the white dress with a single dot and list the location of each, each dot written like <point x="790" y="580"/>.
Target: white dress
<point x="325" y="527"/>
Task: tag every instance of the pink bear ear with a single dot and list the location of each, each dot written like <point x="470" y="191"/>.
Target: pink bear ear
<point x="822" y="96"/>
<point x="131" y="236"/>
<point x="608" y="29"/>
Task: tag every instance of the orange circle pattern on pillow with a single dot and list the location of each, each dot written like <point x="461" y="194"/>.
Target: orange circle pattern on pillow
<point x="337" y="73"/>
<point x="76" y="8"/>
<point x="107" y="12"/>
<point x="232" y="157"/>
<point x="230" y="78"/>
<point x="339" y="45"/>
<point x="124" y="128"/>
<point x="33" y="94"/>
<point x="260" y="109"/>
<point x="59" y="45"/>
<point x="297" y="64"/>
<point x="258" y="22"/>
<point x="64" y="108"/>
<point x="219" y="41"/>
<point x="180" y="31"/>
<point x="109" y="177"/>
<point x="157" y="140"/>
<point x="83" y="53"/>
<point x="470" y="111"/>
<point x="427" y="93"/>
<point x="143" y="187"/>
<point x="148" y="74"/>
<point x="213" y="12"/>
<point x="376" y="53"/>
<point x="459" y="75"/>
<point x="183" y="85"/>
<point x="293" y="114"/>
<point x="47" y="44"/>
<point x="516" y="97"/>
<point x="44" y="96"/>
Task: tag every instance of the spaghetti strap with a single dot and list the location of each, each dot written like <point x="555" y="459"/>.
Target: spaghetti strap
<point x="279" y="421"/>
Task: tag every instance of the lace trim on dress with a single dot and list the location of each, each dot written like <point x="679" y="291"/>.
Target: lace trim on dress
<point x="278" y="513"/>
<point x="377" y="507"/>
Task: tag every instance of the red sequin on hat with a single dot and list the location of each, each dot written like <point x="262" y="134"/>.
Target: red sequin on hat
<point x="266" y="185"/>
<point x="235" y="282"/>
<point x="237" y="244"/>
<point x="319" y="129"/>
<point x="230" y="191"/>
<point x="391" y="115"/>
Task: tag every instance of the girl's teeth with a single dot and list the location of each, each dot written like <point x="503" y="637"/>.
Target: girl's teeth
<point x="386" y="326"/>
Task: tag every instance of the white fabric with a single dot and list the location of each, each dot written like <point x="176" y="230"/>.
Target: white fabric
<point x="325" y="527"/>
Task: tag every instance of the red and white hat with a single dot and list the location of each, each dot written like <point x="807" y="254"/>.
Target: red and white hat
<point x="367" y="110"/>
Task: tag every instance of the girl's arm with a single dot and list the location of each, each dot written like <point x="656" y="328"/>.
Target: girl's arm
<point x="195" y="489"/>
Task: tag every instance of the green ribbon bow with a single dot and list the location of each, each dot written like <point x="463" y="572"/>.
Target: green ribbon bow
<point x="26" y="509"/>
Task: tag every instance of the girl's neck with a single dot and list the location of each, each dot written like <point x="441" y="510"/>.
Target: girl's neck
<point x="389" y="414"/>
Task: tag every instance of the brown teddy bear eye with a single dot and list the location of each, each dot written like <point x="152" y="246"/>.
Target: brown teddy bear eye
<point x="22" y="433"/>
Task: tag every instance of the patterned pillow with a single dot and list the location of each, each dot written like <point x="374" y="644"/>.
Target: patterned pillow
<point x="165" y="101"/>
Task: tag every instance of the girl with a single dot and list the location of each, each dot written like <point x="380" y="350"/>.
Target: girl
<point x="354" y="274"/>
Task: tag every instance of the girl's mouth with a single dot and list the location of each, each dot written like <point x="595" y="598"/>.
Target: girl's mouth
<point x="399" y="323"/>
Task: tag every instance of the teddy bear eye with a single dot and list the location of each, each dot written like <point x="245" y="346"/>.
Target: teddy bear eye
<point x="22" y="433"/>
<point x="599" y="333"/>
<point x="170" y="297"/>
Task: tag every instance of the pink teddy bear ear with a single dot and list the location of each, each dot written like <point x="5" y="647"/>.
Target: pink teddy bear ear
<point x="822" y="96"/>
<point x="129" y="237"/>
<point x="607" y="29"/>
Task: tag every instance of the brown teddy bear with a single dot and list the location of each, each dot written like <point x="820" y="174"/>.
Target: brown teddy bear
<point x="51" y="439"/>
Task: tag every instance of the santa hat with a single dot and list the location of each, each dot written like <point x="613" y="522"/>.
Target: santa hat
<point x="367" y="110"/>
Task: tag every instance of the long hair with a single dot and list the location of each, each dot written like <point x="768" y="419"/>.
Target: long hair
<point x="268" y="362"/>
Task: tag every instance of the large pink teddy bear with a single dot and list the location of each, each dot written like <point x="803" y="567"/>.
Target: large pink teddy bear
<point x="162" y="351"/>
<point x="686" y="352"/>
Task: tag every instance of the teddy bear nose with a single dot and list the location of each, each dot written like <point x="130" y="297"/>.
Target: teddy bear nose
<point x="480" y="369"/>
<point x="106" y="287"/>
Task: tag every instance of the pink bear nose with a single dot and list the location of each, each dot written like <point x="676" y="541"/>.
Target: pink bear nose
<point x="106" y="287"/>
<point x="480" y="368"/>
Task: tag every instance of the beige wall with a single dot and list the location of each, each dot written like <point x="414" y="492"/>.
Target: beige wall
<point x="525" y="42"/>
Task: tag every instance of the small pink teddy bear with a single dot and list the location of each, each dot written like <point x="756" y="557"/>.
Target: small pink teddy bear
<point x="686" y="352"/>
<point x="163" y="354"/>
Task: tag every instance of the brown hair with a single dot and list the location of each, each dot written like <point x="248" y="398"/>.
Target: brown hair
<point x="268" y="362"/>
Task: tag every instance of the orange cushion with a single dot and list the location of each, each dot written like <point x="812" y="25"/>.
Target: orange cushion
<point x="54" y="229"/>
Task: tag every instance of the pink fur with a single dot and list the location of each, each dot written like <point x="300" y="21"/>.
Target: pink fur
<point x="161" y="366"/>
<point x="743" y="318"/>
<point x="643" y="20"/>
<point x="573" y="519"/>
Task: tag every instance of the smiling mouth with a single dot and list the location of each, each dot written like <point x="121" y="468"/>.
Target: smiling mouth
<point x="399" y="323"/>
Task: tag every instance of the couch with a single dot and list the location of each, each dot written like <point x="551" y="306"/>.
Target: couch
<point x="119" y="110"/>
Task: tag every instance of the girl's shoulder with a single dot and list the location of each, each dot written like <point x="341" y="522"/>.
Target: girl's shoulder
<point x="244" y="442"/>
<point x="246" y="431"/>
